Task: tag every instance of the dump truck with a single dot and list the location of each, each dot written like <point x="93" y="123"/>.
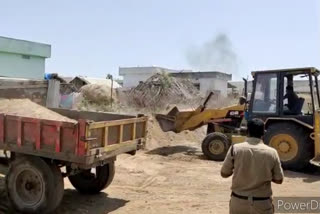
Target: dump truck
<point x="43" y="152"/>
<point x="294" y="133"/>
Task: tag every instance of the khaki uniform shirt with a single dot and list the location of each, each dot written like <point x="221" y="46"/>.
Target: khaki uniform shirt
<point x="253" y="165"/>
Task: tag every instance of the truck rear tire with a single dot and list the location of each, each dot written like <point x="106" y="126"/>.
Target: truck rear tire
<point x="33" y="186"/>
<point x="292" y="143"/>
<point x="215" y="146"/>
<point x="87" y="182"/>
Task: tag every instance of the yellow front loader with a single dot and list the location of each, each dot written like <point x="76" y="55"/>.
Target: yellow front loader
<point x="293" y="129"/>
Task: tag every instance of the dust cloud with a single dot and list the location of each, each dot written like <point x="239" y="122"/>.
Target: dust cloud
<point x="215" y="55"/>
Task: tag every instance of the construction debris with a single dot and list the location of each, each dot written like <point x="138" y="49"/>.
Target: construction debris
<point x="96" y="97"/>
<point x="27" y="108"/>
<point x="97" y="93"/>
<point x="161" y="90"/>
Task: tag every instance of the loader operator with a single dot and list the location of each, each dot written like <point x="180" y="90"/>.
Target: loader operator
<point x="293" y="101"/>
<point x="254" y="166"/>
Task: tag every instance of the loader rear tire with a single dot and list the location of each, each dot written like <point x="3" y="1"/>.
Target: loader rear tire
<point x="87" y="182"/>
<point x="215" y="146"/>
<point x="292" y="143"/>
<point x="34" y="186"/>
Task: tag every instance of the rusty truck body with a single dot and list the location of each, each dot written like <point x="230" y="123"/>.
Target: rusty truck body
<point x="43" y="152"/>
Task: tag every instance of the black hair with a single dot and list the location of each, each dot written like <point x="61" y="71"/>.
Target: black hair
<point x="289" y="87"/>
<point x="255" y="128"/>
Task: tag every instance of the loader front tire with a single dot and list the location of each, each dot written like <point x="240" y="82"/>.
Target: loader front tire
<point x="215" y="146"/>
<point x="88" y="182"/>
<point x="292" y="143"/>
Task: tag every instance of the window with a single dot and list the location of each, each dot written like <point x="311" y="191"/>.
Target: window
<point x="266" y="93"/>
<point x="25" y="57"/>
<point x="197" y="85"/>
<point x="297" y="100"/>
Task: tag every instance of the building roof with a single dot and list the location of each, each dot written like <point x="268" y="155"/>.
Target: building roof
<point x="203" y="74"/>
<point x="147" y="70"/>
<point x="17" y="46"/>
<point x="98" y="81"/>
<point x="67" y="79"/>
<point x="179" y="73"/>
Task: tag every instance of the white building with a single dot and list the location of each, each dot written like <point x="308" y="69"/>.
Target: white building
<point x="238" y="87"/>
<point x="23" y="59"/>
<point x="208" y="81"/>
<point x="205" y="81"/>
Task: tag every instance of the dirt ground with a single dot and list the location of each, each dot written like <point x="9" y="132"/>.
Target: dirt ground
<point x="167" y="179"/>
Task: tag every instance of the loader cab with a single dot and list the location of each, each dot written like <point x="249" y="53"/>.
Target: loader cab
<point x="289" y="93"/>
<point x="288" y="101"/>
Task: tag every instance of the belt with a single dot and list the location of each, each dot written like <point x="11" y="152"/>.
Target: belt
<point x="247" y="198"/>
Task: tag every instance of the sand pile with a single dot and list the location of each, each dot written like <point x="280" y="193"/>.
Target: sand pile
<point x="161" y="89"/>
<point x="27" y="108"/>
<point x="157" y="138"/>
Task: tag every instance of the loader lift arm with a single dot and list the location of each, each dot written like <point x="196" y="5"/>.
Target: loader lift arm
<point x="222" y="123"/>
<point x="178" y="121"/>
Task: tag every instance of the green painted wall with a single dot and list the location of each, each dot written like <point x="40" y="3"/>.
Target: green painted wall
<point x="15" y="65"/>
<point x="23" y="59"/>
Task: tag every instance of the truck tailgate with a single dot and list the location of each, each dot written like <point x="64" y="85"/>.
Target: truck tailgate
<point x="115" y="137"/>
<point x="105" y="135"/>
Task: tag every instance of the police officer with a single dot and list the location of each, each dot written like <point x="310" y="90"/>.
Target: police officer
<point x="254" y="166"/>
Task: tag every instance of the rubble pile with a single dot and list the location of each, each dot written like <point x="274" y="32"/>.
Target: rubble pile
<point x="96" y="97"/>
<point x="97" y="93"/>
<point x="161" y="90"/>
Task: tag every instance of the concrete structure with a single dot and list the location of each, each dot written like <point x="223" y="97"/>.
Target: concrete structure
<point x="133" y="75"/>
<point x="302" y="86"/>
<point x="119" y="81"/>
<point x="23" y="59"/>
<point x="35" y="90"/>
<point x="237" y="87"/>
<point x="205" y="81"/>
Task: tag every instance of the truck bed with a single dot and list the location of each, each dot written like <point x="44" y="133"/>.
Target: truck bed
<point x="94" y="139"/>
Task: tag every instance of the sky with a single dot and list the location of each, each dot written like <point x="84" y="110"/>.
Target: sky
<point x="94" y="38"/>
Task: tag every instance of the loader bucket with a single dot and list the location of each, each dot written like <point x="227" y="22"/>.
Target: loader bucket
<point x="168" y="122"/>
<point x="173" y="112"/>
